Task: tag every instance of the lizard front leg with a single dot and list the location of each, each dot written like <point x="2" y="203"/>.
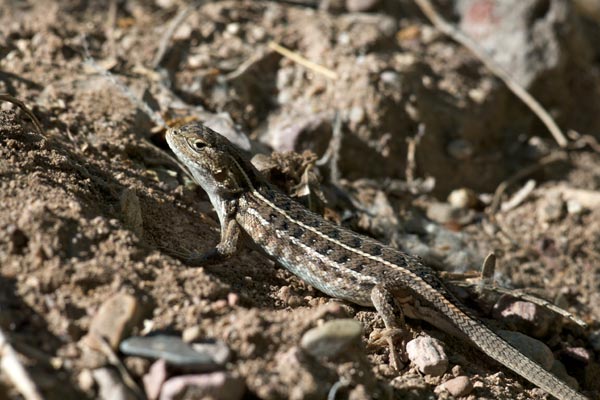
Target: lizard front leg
<point x="228" y="245"/>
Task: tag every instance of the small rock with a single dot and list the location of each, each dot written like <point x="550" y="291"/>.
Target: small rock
<point x="85" y="380"/>
<point x="576" y="356"/>
<point x="392" y="79"/>
<point x="428" y="355"/>
<point x="216" y="386"/>
<point x="440" y="212"/>
<point x="552" y="210"/>
<point x="594" y="339"/>
<point x="357" y="115"/>
<point x="458" y="387"/>
<point x="115" y="319"/>
<point x="110" y="386"/>
<point x="154" y="379"/>
<point x="233" y="299"/>
<point x="529" y="346"/>
<point x="332" y="338"/>
<point x="360" y="5"/>
<point x="191" y="334"/>
<point x="218" y="350"/>
<point x="462" y="198"/>
<point x="176" y="352"/>
<point x="523" y="316"/>
<point x="574" y="207"/>
<point x="460" y="149"/>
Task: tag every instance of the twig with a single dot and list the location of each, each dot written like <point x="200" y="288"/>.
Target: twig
<point x="111" y="22"/>
<point x="26" y="110"/>
<point x="549" y="159"/>
<point x="12" y="367"/>
<point x="411" y="164"/>
<point x="436" y="19"/>
<point x="519" y="196"/>
<point x="303" y="61"/>
<point x="173" y="25"/>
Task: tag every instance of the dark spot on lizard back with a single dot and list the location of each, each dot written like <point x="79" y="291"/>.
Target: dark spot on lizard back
<point x="342" y="259"/>
<point x="296" y="231"/>
<point x="354" y="241"/>
<point x="333" y="233"/>
<point x="324" y="248"/>
<point x="372" y="249"/>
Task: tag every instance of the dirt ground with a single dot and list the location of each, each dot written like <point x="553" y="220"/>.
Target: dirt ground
<point x="95" y="208"/>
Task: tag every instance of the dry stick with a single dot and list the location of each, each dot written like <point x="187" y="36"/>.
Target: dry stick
<point x="22" y="106"/>
<point x="549" y="159"/>
<point x="14" y="370"/>
<point x="111" y="22"/>
<point x="303" y="61"/>
<point x="411" y="164"/>
<point x="173" y="25"/>
<point x="447" y="28"/>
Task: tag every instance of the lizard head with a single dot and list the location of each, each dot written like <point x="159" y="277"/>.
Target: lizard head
<point x="215" y="163"/>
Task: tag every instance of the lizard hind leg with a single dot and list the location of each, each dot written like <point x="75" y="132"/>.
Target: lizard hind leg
<point x="393" y="319"/>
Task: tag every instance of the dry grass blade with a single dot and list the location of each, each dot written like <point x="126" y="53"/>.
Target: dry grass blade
<point x="297" y="58"/>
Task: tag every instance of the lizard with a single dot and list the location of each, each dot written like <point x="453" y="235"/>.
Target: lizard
<point x="333" y="259"/>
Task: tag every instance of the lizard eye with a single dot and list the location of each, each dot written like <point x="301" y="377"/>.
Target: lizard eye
<point x="199" y="145"/>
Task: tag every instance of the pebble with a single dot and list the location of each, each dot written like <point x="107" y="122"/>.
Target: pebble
<point x="115" y="319"/>
<point x="191" y="334"/>
<point x="154" y="379"/>
<point x="574" y="207"/>
<point x="594" y="339"/>
<point x="529" y="346"/>
<point x="332" y="338"/>
<point x="523" y="316"/>
<point x="85" y="380"/>
<point x="360" y="5"/>
<point x="460" y="149"/>
<point x="110" y="386"/>
<point x="457" y="387"/>
<point x="391" y="78"/>
<point x="357" y="115"/>
<point x="428" y="355"/>
<point x="216" y="386"/>
<point x="207" y="357"/>
<point x="576" y="356"/>
<point x="552" y="210"/>
<point x="462" y="198"/>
